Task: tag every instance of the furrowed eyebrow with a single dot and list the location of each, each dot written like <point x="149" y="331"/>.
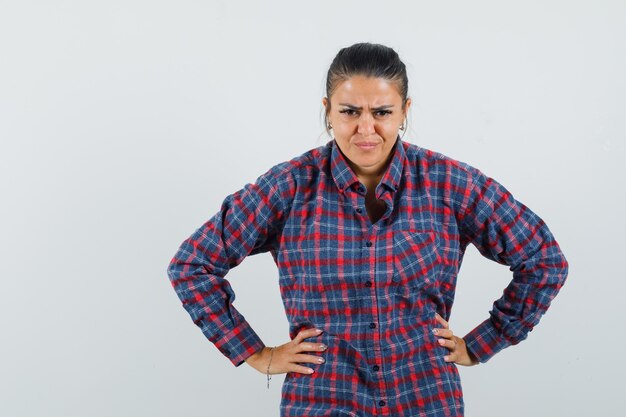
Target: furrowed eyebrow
<point x="386" y="106"/>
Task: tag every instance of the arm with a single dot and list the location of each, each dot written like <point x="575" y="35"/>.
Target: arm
<point x="248" y="223"/>
<point x="506" y="231"/>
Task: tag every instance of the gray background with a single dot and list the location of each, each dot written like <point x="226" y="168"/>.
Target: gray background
<point x="124" y="124"/>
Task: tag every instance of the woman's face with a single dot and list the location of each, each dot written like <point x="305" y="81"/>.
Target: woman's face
<point x="366" y="114"/>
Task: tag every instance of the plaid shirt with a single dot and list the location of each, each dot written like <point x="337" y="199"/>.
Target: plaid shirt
<point x="373" y="288"/>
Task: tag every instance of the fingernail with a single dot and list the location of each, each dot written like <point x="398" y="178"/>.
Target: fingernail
<point x="435" y="331"/>
<point x="310" y="371"/>
<point x="322" y="347"/>
<point x="441" y="341"/>
<point x="318" y="331"/>
<point x="320" y="360"/>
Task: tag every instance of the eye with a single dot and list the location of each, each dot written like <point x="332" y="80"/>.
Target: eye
<point x="349" y="112"/>
<point x="383" y="112"/>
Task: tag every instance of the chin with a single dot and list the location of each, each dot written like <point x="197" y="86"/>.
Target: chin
<point x="366" y="161"/>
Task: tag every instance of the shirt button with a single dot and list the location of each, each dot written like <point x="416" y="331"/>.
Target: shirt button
<point x="381" y="403"/>
<point x="368" y="283"/>
<point x="359" y="210"/>
<point x="368" y="244"/>
<point x="375" y="367"/>
<point x="372" y="325"/>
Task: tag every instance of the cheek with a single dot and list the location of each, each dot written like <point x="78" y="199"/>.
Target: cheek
<point x="344" y="132"/>
<point x="389" y="129"/>
<point x="390" y="123"/>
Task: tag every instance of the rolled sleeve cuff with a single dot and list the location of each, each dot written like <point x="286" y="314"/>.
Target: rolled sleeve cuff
<point x="239" y="343"/>
<point x="485" y="341"/>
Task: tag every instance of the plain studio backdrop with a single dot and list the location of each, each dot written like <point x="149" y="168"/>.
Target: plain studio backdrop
<point x="124" y="125"/>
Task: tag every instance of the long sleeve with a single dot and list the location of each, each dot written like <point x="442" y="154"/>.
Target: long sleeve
<point x="248" y="223"/>
<point x="506" y="231"/>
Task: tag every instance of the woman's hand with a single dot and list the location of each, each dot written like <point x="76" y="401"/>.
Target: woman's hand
<point x="458" y="350"/>
<point x="286" y="356"/>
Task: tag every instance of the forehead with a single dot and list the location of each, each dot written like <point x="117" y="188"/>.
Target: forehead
<point x="366" y="90"/>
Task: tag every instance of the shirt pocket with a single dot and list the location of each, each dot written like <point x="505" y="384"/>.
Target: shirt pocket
<point x="415" y="259"/>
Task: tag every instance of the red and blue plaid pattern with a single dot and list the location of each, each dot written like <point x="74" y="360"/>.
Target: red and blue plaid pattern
<point x="373" y="288"/>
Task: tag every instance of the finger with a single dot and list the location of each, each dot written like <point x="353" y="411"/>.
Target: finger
<point x="452" y="357"/>
<point x="306" y="333"/>
<point x="310" y="347"/>
<point x="441" y="320"/>
<point x="447" y="343"/>
<point x="301" y="369"/>
<point x="309" y="358"/>
<point x="447" y="333"/>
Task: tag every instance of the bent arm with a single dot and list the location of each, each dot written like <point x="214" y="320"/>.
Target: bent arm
<point x="508" y="232"/>
<point x="248" y="223"/>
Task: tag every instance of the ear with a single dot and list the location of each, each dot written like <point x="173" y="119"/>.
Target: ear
<point x="325" y="102"/>
<point x="407" y="105"/>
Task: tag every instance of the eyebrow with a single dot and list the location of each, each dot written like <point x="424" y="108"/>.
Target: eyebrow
<point x="353" y="107"/>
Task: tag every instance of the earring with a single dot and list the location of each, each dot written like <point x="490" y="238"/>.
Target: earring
<point x="403" y="126"/>
<point x="330" y="126"/>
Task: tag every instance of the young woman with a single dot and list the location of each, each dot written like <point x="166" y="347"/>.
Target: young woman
<point x="368" y="233"/>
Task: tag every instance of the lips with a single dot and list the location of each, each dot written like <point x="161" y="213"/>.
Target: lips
<point x="366" y="145"/>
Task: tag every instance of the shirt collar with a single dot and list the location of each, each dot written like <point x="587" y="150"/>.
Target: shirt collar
<point x="344" y="176"/>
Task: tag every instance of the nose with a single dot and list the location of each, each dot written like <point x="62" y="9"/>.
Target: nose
<point x="366" y="124"/>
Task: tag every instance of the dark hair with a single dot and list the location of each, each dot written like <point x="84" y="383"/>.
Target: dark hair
<point x="370" y="60"/>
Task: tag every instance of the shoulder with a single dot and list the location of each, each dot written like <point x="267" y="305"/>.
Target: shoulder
<point x="436" y="163"/>
<point x="282" y="179"/>
<point x="300" y="166"/>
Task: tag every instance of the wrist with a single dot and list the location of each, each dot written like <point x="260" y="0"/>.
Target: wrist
<point x="472" y="357"/>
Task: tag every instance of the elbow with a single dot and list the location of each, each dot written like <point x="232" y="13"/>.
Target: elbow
<point x="172" y="270"/>
<point x="560" y="266"/>
<point x="564" y="267"/>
